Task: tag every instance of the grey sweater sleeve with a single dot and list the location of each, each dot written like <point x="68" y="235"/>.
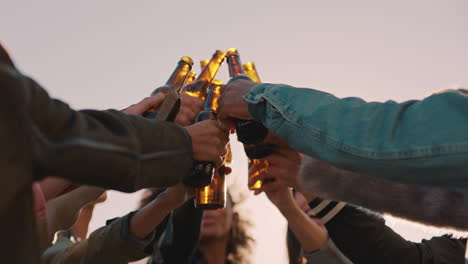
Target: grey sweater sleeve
<point x="109" y="244"/>
<point x="329" y="254"/>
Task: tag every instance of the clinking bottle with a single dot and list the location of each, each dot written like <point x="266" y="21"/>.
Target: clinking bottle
<point x="251" y="71"/>
<point x="190" y="78"/>
<point x="212" y="196"/>
<point x="202" y="171"/>
<point x="173" y="85"/>
<point x="249" y="132"/>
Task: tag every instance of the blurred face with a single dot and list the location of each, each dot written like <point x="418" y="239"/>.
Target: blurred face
<point x="217" y="223"/>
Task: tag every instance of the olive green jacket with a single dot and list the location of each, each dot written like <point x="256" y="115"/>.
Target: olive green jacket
<point x="41" y="136"/>
<point x="111" y="244"/>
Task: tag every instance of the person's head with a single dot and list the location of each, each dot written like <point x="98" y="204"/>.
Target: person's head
<point x="217" y="224"/>
<point x="220" y="224"/>
<point x="228" y="224"/>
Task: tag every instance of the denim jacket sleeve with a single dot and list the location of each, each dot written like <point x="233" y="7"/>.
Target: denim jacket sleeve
<point x="411" y="142"/>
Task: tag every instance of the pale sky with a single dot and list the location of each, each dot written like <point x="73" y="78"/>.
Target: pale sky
<point x="110" y="54"/>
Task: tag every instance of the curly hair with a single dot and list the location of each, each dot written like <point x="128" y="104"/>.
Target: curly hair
<point x="240" y="242"/>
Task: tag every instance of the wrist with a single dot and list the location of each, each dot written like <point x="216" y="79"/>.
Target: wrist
<point x="163" y="205"/>
<point x="287" y="208"/>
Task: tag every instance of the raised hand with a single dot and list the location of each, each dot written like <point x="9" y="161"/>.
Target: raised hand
<point x="145" y="220"/>
<point x="174" y="196"/>
<point x="284" y="165"/>
<point x="209" y="140"/>
<point x="231" y="103"/>
<point x="189" y="108"/>
<point x="145" y="104"/>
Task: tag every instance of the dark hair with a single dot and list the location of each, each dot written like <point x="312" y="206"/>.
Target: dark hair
<point x="239" y="242"/>
<point x="294" y="248"/>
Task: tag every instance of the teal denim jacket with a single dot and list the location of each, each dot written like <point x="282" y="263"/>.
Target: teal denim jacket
<point x="419" y="142"/>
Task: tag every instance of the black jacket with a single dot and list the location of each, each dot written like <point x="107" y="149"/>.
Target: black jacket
<point x="365" y="239"/>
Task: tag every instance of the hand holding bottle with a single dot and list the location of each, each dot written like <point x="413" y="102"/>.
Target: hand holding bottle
<point x="145" y="104"/>
<point x="174" y="196"/>
<point x="232" y="103"/>
<point x="277" y="192"/>
<point x="209" y="141"/>
<point x="189" y="108"/>
<point x="284" y="165"/>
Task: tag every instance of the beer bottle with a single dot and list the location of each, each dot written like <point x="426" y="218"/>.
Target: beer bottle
<point x="203" y="171"/>
<point x="212" y="196"/>
<point x="249" y="132"/>
<point x="171" y="104"/>
<point x="258" y="184"/>
<point x="200" y="86"/>
<point x="190" y="78"/>
<point x="252" y="73"/>
<point x="203" y="63"/>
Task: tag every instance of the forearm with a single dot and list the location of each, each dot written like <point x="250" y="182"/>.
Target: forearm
<point x="114" y="150"/>
<point x="370" y="137"/>
<point x="311" y="236"/>
<point x="145" y="220"/>
<point x="109" y="244"/>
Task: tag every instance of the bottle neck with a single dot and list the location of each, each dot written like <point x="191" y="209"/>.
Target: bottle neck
<point x="177" y="78"/>
<point x="235" y="65"/>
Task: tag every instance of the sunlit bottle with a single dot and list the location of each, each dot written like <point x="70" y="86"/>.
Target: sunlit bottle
<point x="251" y="71"/>
<point x="203" y="171"/>
<point x="212" y="196"/>
<point x="203" y="63"/>
<point x="171" y="88"/>
<point x="190" y="78"/>
<point x="198" y="88"/>
<point x="263" y="169"/>
<point x="249" y="132"/>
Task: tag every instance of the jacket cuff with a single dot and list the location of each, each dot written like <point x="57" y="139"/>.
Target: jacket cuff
<point x="328" y="254"/>
<point x="126" y="236"/>
<point x="256" y="101"/>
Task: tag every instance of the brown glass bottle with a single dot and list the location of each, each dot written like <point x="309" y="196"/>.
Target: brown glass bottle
<point x="264" y="163"/>
<point x="249" y="132"/>
<point x="199" y="87"/>
<point x="203" y="63"/>
<point x="190" y="78"/>
<point x="212" y="196"/>
<point x="203" y="171"/>
<point x="251" y="72"/>
<point x="174" y="84"/>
